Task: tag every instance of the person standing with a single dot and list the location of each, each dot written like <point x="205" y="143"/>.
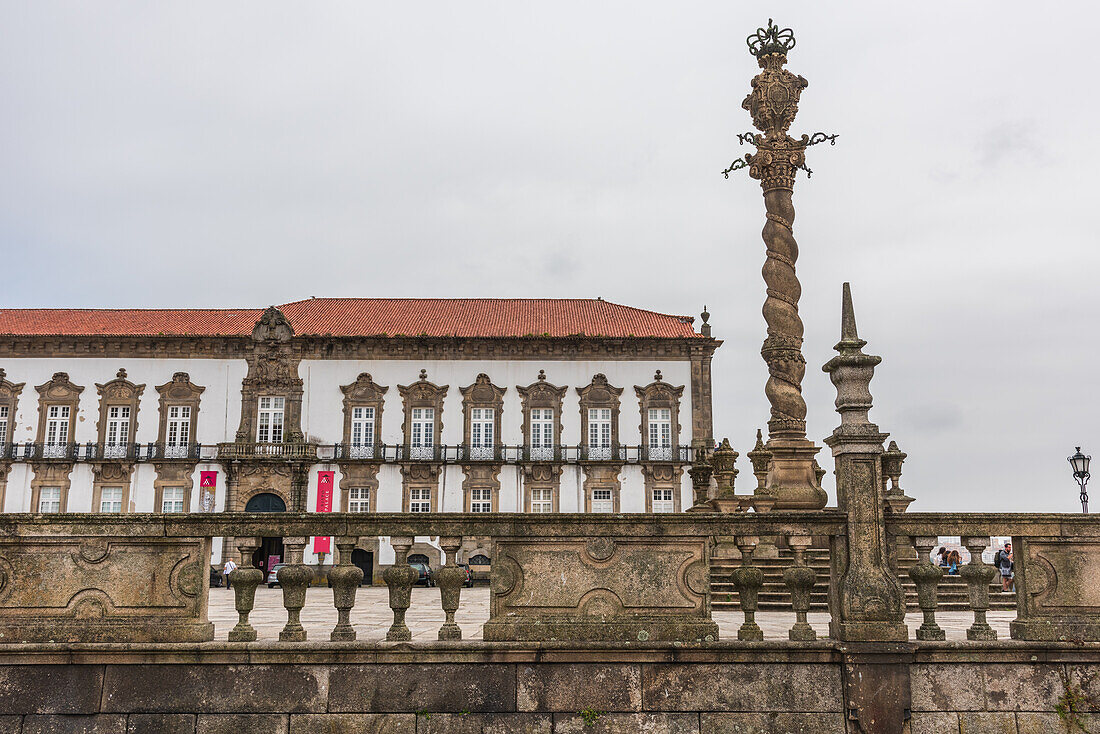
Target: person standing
<point x="228" y="569"/>
<point x="1005" y="564"/>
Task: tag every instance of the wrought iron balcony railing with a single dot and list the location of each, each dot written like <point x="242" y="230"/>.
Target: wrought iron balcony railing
<point x="340" y="452"/>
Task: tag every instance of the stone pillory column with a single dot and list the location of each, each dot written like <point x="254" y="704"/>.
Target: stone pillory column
<point x="773" y="104"/>
<point x="865" y="599"/>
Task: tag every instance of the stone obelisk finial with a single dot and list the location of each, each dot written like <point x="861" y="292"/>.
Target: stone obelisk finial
<point x="773" y="104"/>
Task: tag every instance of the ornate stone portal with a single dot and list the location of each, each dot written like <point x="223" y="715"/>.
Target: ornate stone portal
<point x="773" y="104"/>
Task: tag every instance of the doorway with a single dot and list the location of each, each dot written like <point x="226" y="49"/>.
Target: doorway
<point x="270" y="551"/>
<point x="364" y="560"/>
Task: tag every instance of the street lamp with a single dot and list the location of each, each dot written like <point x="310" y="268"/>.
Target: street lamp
<point x="1080" y="464"/>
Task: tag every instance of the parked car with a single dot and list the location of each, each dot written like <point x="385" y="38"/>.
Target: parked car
<point x="424" y="574"/>
<point x="469" y="580"/>
<point x="272" y="575"/>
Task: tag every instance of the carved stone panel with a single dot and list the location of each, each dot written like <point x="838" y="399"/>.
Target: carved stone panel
<point x="1058" y="589"/>
<point x="249" y="480"/>
<point x="600" y="588"/>
<point x="109" y="589"/>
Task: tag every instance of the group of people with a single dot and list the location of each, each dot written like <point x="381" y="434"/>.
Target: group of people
<point x="950" y="560"/>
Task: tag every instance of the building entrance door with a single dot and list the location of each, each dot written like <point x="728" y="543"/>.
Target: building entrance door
<point x="270" y="551"/>
<point x="365" y="561"/>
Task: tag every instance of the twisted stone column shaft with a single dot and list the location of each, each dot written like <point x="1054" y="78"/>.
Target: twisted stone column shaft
<point x="782" y="349"/>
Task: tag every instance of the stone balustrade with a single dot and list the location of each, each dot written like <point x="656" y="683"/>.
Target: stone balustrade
<point x="569" y="577"/>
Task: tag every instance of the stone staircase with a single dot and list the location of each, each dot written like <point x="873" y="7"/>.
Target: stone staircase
<point x="775" y="597"/>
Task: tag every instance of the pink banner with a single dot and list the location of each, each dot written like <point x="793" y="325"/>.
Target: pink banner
<point x="324" y="504"/>
<point x="208" y="486"/>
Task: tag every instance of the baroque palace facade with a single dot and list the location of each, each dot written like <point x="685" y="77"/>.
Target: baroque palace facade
<point x="360" y="405"/>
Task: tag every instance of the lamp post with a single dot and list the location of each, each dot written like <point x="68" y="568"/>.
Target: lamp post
<point x="1080" y="464"/>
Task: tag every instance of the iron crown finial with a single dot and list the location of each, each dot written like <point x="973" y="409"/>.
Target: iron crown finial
<point x="770" y="40"/>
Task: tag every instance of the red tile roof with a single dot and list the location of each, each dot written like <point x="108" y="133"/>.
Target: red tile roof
<point x="463" y="317"/>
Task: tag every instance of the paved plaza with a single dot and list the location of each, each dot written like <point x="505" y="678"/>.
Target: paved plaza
<point x="372" y="616"/>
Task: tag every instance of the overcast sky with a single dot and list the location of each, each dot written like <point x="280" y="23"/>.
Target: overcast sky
<point x="241" y="154"/>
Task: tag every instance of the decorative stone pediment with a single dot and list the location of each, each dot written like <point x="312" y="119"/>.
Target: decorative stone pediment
<point x="599" y="393"/>
<point x="59" y="389"/>
<point x="482" y="393"/>
<point x="9" y="391"/>
<point x="179" y="390"/>
<point x="363" y="390"/>
<point x="273" y="326"/>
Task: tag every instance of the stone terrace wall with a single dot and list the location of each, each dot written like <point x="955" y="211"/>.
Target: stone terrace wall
<point x="320" y="688"/>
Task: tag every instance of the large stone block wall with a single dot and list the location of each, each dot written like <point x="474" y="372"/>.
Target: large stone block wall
<point x="722" y="689"/>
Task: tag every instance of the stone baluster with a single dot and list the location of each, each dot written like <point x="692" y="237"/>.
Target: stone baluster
<point x="244" y="579"/>
<point x="344" y="580"/>
<point x="294" y="579"/>
<point x="800" y="579"/>
<point x="400" y="578"/>
<point x="748" y="579"/>
<point x="926" y="575"/>
<point x="449" y="579"/>
<point x="978" y="576"/>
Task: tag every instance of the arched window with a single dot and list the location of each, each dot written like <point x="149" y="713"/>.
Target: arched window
<point x="418" y="558"/>
<point x="479" y="560"/>
<point x="266" y="502"/>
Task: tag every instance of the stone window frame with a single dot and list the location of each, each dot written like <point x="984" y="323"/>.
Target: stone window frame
<point x="481" y="476"/>
<point x="272" y="372"/>
<point x="482" y="393"/>
<point x="364" y="392"/>
<point x="420" y="475"/>
<point x="51" y="475"/>
<point x="599" y="393"/>
<point x="173" y="475"/>
<point x="542" y="395"/>
<point x="59" y="391"/>
<point x="542" y="476"/>
<point x="9" y="398"/>
<point x="663" y="476"/>
<point x="179" y="392"/>
<point x="422" y="394"/>
<point x="656" y="395"/>
<point x="359" y="476"/>
<point x="118" y="393"/>
<point x="603" y="476"/>
<point x="112" y="474"/>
